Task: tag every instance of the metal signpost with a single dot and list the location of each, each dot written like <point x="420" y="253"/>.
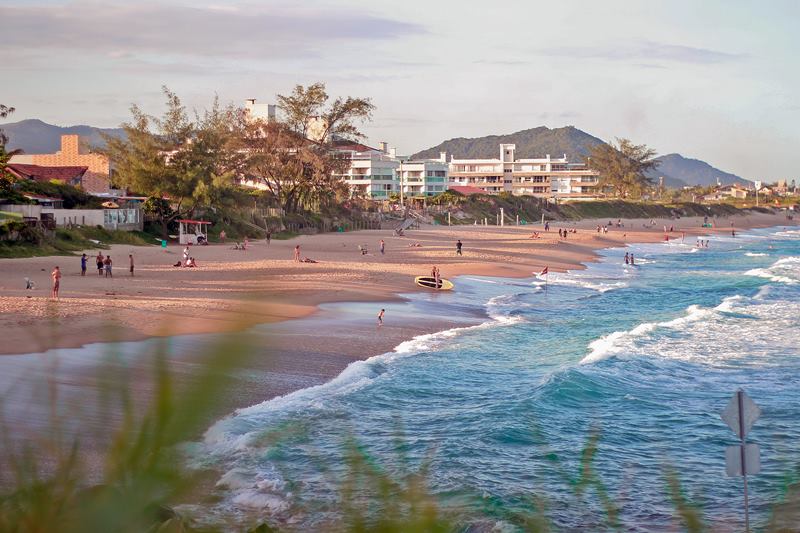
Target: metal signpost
<point x="740" y="414"/>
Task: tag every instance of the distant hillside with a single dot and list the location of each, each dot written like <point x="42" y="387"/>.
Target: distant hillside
<point x="677" y="171"/>
<point x="535" y="142"/>
<point x="36" y="137"/>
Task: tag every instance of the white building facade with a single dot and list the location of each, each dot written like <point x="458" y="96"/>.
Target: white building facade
<point x="545" y="177"/>
<point x="378" y="173"/>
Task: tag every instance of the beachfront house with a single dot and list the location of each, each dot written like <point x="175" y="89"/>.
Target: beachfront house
<point x="545" y="177"/>
<point x="95" y="178"/>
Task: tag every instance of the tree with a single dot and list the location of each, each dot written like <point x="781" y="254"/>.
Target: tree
<point x="623" y="167"/>
<point x="189" y="161"/>
<point x="296" y="158"/>
<point x="6" y="178"/>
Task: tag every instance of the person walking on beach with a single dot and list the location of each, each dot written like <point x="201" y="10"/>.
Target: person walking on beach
<point x="108" y="264"/>
<point x="99" y="260"/>
<point x="130" y="256"/>
<point x="56" y="275"/>
<point x="380" y="317"/>
<point x="269" y="237"/>
<point x="83" y="264"/>
<point x="627" y="258"/>
<point x="383" y="247"/>
<point x="297" y="254"/>
<point x="458" y="247"/>
<point x="222" y="236"/>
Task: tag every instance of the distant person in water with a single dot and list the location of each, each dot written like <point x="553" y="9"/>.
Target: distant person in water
<point x="380" y="317"/>
<point x="627" y="258"/>
<point x="297" y="253"/>
<point x="458" y="247"/>
<point x="56" y="275"/>
<point x="632" y="261"/>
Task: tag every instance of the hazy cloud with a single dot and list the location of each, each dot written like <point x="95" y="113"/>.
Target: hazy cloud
<point x="643" y="51"/>
<point x="246" y="31"/>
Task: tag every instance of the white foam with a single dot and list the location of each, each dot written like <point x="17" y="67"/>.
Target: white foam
<point x="622" y="341"/>
<point x="585" y="282"/>
<point x="785" y="270"/>
<point x="751" y="254"/>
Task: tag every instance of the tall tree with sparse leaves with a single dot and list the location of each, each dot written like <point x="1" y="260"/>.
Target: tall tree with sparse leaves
<point x="295" y="158"/>
<point x="623" y="167"/>
<point x="189" y="161"/>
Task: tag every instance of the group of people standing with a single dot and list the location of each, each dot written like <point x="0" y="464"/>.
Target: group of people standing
<point x="104" y="264"/>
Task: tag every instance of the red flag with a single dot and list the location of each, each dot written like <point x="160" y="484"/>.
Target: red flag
<point x="543" y="271"/>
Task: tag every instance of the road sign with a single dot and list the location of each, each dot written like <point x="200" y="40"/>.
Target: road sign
<point x="740" y="414"/>
<point x="733" y="460"/>
<point x="750" y="413"/>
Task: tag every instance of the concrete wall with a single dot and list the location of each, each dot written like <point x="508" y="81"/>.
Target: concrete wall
<point x="28" y="211"/>
<point x="80" y="217"/>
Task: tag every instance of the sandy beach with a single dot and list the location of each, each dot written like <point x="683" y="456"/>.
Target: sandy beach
<point x="233" y="290"/>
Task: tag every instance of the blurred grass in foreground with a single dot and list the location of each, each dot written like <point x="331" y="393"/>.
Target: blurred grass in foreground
<point x="46" y="486"/>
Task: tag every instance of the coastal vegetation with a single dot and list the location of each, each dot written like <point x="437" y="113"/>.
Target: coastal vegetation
<point x="18" y="239"/>
<point x="623" y="167"/>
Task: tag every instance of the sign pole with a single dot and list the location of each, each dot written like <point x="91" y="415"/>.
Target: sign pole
<point x="740" y="401"/>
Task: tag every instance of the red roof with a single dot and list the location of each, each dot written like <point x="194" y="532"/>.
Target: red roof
<point x="466" y="190"/>
<point x="71" y="175"/>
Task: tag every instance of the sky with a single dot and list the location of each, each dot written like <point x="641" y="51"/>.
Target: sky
<point x="713" y="80"/>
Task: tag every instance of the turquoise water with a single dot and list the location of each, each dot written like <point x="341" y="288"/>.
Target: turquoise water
<point x="646" y="355"/>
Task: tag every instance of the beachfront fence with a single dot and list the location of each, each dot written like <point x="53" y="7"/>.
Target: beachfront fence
<point x="330" y="226"/>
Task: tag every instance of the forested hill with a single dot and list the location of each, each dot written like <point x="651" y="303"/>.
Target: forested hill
<point x="535" y="142"/>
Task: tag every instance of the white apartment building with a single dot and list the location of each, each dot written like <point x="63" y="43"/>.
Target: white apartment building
<point x="424" y="177"/>
<point x="266" y="112"/>
<point x="377" y="173"/>
<point x="545" y="177"/>
<point x="372" y="173"/>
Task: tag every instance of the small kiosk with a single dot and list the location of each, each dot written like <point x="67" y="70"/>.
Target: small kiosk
<point x="193" y="231"/>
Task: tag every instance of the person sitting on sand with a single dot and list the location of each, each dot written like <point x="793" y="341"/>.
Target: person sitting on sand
<point x="362" y="249"/>
<point x="178" y="264"/>
<point x="308" y="260"/>
<point x="415" y="245"/>
<point x="534" y="235"/>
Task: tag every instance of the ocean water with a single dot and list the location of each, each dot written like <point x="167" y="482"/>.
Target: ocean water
<point x="647" y="356"/>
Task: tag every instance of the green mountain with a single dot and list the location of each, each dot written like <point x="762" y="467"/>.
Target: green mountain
<point x="535" y="142"/>
<point x="36" y="137"/>
<point x="677" y="171"/>
<point x="694" y="172"/>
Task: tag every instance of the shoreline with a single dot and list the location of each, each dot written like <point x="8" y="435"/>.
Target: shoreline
<point x="303" y="353"/>
<point x="223" y="306"/>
